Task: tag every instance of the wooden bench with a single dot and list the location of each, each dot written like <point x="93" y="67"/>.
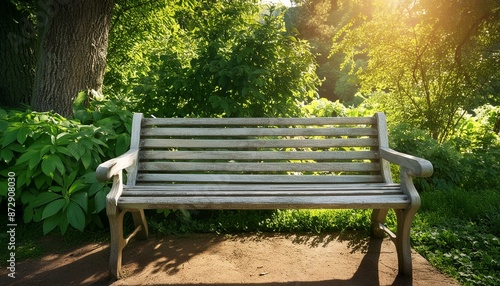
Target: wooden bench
<point x="262" y="163"/>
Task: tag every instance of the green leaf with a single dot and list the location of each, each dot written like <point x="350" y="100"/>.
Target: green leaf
<point x="87" y="159"/>
<point x="63" y="224"/>
<point x="53" y="207"/>
<point x="50" y="223"/>
<point x="44" y="198"/>
<point x="7" y="155"/>
<point x="23" y="134"/>
<point x="79" y="103"/>
<point x="58" y="163"/>
<point x="81" y="199"/>
<point x="63" y="150"/>
<point x="27" y="156"/>
<point x="76" y="216"/>
<point x="28" y="214"/>
<point x="48" y="166"/>
<point x="9" y="136"/>
<point x="34" y="160"/>
<point x="100" y="200"/>
<point x="95" y="187"/>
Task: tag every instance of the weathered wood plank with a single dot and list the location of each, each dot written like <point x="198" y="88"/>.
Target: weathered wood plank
<point x="259" y="155"/>
<point x="258" y="167"/>
<point x="271" y="202"/>
<point x="272" y="143"/>
<point x="267" y="187"/>
<point x="231" y="178"/>
<point x="240" y="193"/>
<point x="242" y="132"/>
<point x="258" y="121"/>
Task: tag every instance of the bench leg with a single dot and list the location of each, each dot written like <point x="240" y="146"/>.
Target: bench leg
<point x="403" y="247"/>
<point x="117" y="244"/>
<point x="140" y="221"/>
<point x="378" y="218"/>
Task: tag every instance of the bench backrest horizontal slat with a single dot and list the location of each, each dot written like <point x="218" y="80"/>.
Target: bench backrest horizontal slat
<point x="253" y="150"/>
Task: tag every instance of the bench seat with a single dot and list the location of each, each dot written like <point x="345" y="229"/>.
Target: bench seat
<point x="264" y="196"/>
<point x="262" y="163"/>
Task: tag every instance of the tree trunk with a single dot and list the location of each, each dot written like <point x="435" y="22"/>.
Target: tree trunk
<point x="17" y="56"/>
<point x="72" y="52"/>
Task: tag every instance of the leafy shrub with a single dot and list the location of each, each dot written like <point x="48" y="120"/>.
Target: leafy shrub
<point x="251" y="69"/>
<point x="446" y="159"/>
<point x="323" y="108"/>
<point x="54" y="159"/>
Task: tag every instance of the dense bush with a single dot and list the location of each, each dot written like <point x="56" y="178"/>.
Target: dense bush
<point x="468" y="161"/>
<point x="241" y="63"/>
<point x="54" y="159"/>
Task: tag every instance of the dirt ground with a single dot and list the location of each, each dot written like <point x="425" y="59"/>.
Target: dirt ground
<point x="246" y="259"/>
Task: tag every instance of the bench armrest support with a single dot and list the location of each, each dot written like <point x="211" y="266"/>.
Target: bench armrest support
<point x="415" y="166"/>
<point x="107" y="170"/>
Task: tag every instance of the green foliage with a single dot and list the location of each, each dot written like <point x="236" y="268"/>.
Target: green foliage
<point x="226" y="58"/>
<point x="323" y="108"/>
<point x="448" y="172"/>
<point x="54" y="159"/>
<point x="458" y="232"/>
<point x="434" y="60"/>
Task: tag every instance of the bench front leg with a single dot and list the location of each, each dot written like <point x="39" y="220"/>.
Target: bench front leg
<point x="402" y="241"/>
<point x="117" y="244"/>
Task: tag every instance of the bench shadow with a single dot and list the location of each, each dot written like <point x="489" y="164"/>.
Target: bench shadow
<point x="88" y="265"/>
<point x="169" y="259"/>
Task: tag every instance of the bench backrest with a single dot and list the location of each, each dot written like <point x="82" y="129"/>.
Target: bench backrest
<point x="256" y="150"/>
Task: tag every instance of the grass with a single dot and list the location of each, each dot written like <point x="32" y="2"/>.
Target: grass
<point x="457" y="231"/>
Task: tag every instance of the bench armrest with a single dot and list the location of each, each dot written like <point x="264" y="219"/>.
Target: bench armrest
<point x="105" y="171"/>
<point x="416" y="166"/>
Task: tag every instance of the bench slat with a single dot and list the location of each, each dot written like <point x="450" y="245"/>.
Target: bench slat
<point x="232" y="178"/>
<point x="239" y="132"/>
<point x="269" y="202"/>
<point x="239" y="193"/>
<point x="266" y="187"/>
<point x="272" y="143"/>
<point x="258" y="167"/>
<point x="259" y="155"/>
<point x="257" y="121"/>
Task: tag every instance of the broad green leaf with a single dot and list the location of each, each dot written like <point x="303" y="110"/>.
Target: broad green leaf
<point x="34" y="160"/>
<point x="63" y="150"/>
<point x="58" y="163"/>
<point x="63" y="224"/>
<point x="23" y="134"/>
<point x="50" y="223"/>
<point x="45" y="198"/>
<point x="53" y="207"/>
<point x="7" y="155"/>
<point x="81" y="199"/>
<point x="27" y="156"/>
<point x="28" y="214"/>
<point x="48" y="166"/>
<point x="95" y="187"/>
<point x="76" y="216"/>
<point x="74" y="149"/>
<point x="100" y="200"/>
<point x="87" y="159"/>
<point x="9" y="136"/>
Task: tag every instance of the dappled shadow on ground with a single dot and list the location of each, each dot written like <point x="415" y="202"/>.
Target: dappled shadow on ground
<point x="165" y="258"/>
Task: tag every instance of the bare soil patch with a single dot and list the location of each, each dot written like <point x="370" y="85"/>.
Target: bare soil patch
<point x="245" y="259"/>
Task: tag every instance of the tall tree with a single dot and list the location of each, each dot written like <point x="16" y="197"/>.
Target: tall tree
<point x="17" y="55"/>
<point x="431" y="60"/>
<point x="72" y="51"/>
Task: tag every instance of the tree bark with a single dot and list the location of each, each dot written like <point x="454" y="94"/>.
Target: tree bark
<point x="72" y="52"/>
<point x="17" y="56"/>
